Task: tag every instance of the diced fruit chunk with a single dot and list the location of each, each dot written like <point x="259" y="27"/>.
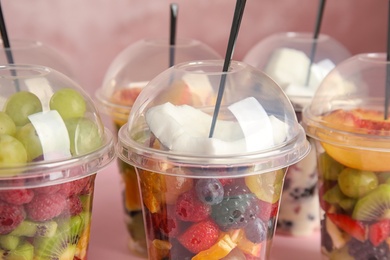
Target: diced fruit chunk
<point x="353" y="227"/>
<point x="218" y="250"/>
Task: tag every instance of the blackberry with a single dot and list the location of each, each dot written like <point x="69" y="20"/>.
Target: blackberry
<point x="237" y="208"/>
<point x="209" y="191"/>
<point x="366" y="251"/>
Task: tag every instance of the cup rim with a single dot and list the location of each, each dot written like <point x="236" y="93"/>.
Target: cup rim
<point x="45" y="173"/>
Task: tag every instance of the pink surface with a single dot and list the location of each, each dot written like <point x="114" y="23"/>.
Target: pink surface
<point x="109" y="237"/>
<point x="92" y="32"/>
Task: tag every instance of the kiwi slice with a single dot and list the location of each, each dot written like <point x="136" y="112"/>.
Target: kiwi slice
<point x="31" y="229"/>
<point x="24" y="251"/>
<point x="9" y="242"/>
<point x="374" y="205"/>
<point x="64" y="242"/>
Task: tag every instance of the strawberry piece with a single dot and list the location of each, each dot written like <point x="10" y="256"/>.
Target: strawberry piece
<point x="267" y="210"/>
<point x="351" y="226"/>
<point x="165" y="222"/>
<point x="45" y="207"/>
<point x="190" y="208"/>
<point x="379" y="231"/>
<point x="10" y="217"/>
<point x="17" y="196"/>
<point x="200" y="236"/>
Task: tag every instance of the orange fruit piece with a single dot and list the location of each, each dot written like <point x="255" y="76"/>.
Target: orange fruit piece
<point x="365" y="150"/>
<point x="217" y="251"/>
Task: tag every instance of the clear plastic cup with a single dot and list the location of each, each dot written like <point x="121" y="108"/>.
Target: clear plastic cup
<point x="352" y="142"/>
<point x="286" y="57"/>
<point x="211" y="198"/>
<point x="26" y="51"/>
<point x="129" y="72"/>
<point x="52" y="144"/>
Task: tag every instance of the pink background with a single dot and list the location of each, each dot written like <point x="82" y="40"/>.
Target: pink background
<point x="90" y="33"/>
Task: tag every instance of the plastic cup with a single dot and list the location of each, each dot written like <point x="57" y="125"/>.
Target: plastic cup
<point x="352" y="142"/>
<point x="286" y="57"/>
<point x="129" y="72"/>
<point x="211" y="198"/>
<point x="52" y="144"/>
<point x="25" y="51"/>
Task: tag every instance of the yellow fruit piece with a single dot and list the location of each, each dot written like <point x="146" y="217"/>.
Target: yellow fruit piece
<point x="82" y="244"/>
<point x="249" y="247"/>
<point x="363" y="149"/>
<point x="217" y="251"/>
<point x="153" y="187"/>
<point x="132" y="196"/>
<point x="267" y="186"/>
<point x="159" y="249"/>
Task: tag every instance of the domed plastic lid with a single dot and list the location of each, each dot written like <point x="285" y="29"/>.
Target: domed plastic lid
<point x="140" y="62"/>
<point x="297" y="62"/>
<point x="50" y="129"/>
<point x="347" y="113"/>
<point x="172" y="117"/>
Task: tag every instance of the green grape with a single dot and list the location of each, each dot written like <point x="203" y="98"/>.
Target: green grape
<point x="7" y="126"/>
<point x="84" y="135"/>
<point x="356" y="183"/>
<point x="29" y="138"/>
<point x="68" y="102"/>
<point x="20" y="105"/>
<point x="11" y="151"/>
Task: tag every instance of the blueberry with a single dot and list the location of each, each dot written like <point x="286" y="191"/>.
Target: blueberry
<point x="209" y="191"/>
<point x="256" y="231"/>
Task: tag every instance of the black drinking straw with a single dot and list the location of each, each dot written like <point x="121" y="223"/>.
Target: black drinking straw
<point x="387" y="92"/>
<point x="6" y="44"/>
<point x="317" y="29"/>
<point x="172" y="33"/>
<point x="238" y="13"/>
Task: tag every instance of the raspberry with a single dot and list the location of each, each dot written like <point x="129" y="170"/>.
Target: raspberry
<point x="47" y="189"/>
<point x="45" y="207"/>
<point x="200" y="236"/>
<point x="17" y="197"/>
<point x="73" y="206"/>
<point x="74" y="187"/>
<point x="190" y="208"/>
<point x="10" y="217"/>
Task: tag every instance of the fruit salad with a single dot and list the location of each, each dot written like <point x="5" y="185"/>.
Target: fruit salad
<point x="354" y="187"/>
<point x="210" y="218"/>
<point x="50" y="219"/>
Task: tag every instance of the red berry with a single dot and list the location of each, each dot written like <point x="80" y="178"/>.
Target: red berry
<point x="73" y="187"/>
<point x="73" y="206"/>
<point x="165" y="222"/>
<point x="17" y="197"/>
<point x="45" y="207"/>
<point x="47" y="189"/>
<point x="226" y="181"/>
<point x="200" y="236"/>
<point x="267" y="210"/>
<point x="10" y="217"/>
<point x="190" y="208"/>
<point x="351" y="226"/>
<point x="379" y="231"/>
